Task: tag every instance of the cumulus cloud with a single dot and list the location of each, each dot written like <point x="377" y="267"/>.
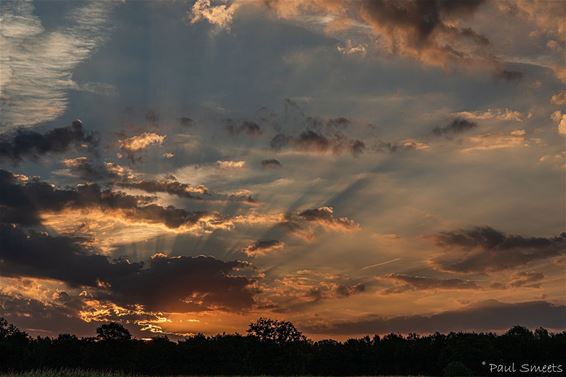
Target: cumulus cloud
<point x="185" y="284"/>
<point x="411" y="283"/>
<point x="36" y="65"/>
<point x="30" y="253"/>
<point x="484" y="249"/>
<point x="263" y="247"/>
<point x="484" y="316"/>
<point x="140" y="142"/>
<point x="428" y="31"/>
<point x="89" y="171"/>
<point x="317" y="142"/>
<point x="24" y="203"/>
<point x="220" y="15"/>
<point x="31" y="144"/>
<point x="456" y="126"/>
<point x="171" y="284"/>
<point x="301" y="223"/>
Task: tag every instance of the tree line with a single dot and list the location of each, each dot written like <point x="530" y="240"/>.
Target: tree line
<point x="273" y="347"/>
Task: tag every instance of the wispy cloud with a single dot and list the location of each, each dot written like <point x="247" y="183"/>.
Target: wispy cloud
<point x="36" y="65"/>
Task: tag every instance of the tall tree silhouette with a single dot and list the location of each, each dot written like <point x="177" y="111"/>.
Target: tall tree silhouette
<point x="113" y="332"/>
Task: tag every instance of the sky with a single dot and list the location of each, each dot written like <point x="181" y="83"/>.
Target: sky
<point x="355" y="167"/>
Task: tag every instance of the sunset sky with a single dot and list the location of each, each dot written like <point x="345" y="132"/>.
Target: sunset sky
<point x="354" y="167"/>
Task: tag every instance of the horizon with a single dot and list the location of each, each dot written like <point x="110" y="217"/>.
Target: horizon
<point x="354" y="167"/>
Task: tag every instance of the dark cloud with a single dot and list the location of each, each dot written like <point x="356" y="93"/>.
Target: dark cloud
<point x="405" y="145"/>
<point x="425" y="29"/>
<point x="484" y="249"/>
<point x="509" y="75"/>
<point x="186" y="122"/>
<point x="262" y="247"/>
<point x="422" y="283"/>
<point x="484" y="316"/>
<point x="169" y="185"/>
<point x="315" y="141"/>
<point x="37" y="254"/>
<point x="271" y="164"/>
<point x="185" y="284"/>
<point x="176" y="284"/>
<point x="43" y="319"/>
<point x="89" y="171"/>
<point x="456" y="126"/>
<point x="247" y="128"/>
<point x="303" y="223"/>
<point x="325" y="215"/>
<point x="25" y="201"/>
<point x="32" y="144"/>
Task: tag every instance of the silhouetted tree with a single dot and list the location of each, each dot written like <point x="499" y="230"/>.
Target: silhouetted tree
<point x="278" y="348"/>
<point x="113" y="331"/>
<point x="277" y="331"/>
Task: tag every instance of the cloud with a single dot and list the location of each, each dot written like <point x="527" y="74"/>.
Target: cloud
<point x="169" y="185"/>
<point x="559" y="98"/>
<point x="456" y="126"/>
<point x="263" y="247"/>
<point x="171" y="284"/>
<point x="230" y="164"/>
<point x="271" y="164"/>
<point x="427" y="31"/>
<point x="24" y="203"/>
<point x="560" y="120"/>
<point x="484" y="316"/>
<point x="548" y="16"/>
<point x="301" y="223"/>
<point x="247" y="128"/>
<point x="403" y="145"/>
<point x="350" y="48"/>
<point x="509" y="75"/>
<point x="97" y="172"/>
<point x="140" y="142"/>
<point x="484" y="249"/>
<point x="411" y="283"/>
<point x="516" y="138"/>
<point x="185" y="284"/>
<point x="316" y="142"/>
<point x="43" y="318"/>
<point x="30" y="253"/>
<point x="219" y="15"/>
<point x="36" y="65"/>
<point x="528" y="279"/>
<point x="492" y="114"/>
<point x="304" y="288"/>
<point x="26" y="143"/>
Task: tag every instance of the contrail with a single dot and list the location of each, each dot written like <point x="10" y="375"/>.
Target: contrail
<point x="380" y="264"/>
